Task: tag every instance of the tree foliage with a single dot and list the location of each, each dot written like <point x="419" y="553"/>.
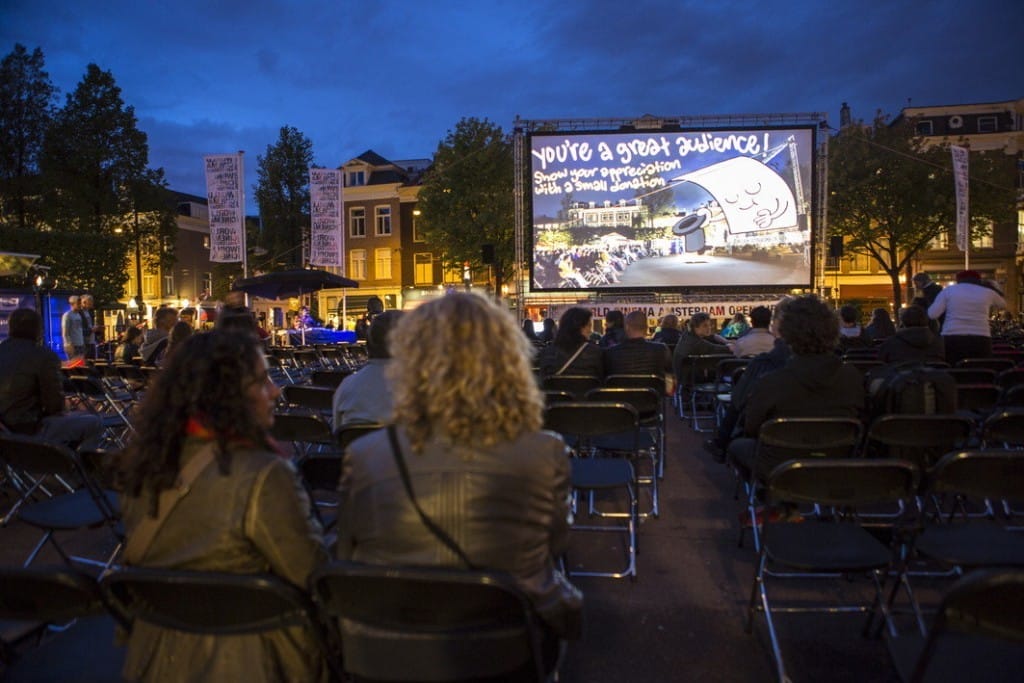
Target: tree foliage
<point x="467" y="198"/>
<point x="27" y="103"/>
<point x="92" y="152"/>
<point x="890" y="194"/>
<point x="282" y="194"/>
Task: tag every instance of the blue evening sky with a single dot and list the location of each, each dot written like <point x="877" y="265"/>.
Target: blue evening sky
<point x="220" y="76"/>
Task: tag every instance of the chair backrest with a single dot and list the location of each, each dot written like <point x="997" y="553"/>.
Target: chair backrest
<point x="348" y="433"/>
<point x="50" y="594"/>
<point x="973" y="375"/>
<point x="316" y="399"/>
<point x="329" y="379"/>
<point x="590" y="418"/>
<point x="699" y="369"/>
<point x="303" y="428"/>
<point x="430" y="624"/>
<point x="995" y="473"/>
<point x="36" y="457"/>
<point x="1004" y="428"/>
<point x="656" y="382"/>
<point x="789" y="438"/>
<point x="997" y="364"/>
<point x="986" y="607"/>
<point x="728" y="370"/>
<point x="847" y="482"/>
<point x="1010" y="378"/>
<point x="646" y="401"/>
<point x="977" y="398"/>
<point x="577" y="385"/>
<point x="921" y="439"/>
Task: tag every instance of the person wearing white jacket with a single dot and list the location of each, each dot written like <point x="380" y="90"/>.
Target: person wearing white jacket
<point x="967" y="305"/>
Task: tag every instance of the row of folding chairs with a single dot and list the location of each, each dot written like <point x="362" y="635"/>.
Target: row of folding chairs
<point x="372" y="622"/>
<point x="839" y="536"/>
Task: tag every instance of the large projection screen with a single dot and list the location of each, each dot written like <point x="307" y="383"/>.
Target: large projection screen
<point x="653" y="210"/>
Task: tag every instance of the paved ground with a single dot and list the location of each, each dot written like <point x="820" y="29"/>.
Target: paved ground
<point x="683" y="619"/>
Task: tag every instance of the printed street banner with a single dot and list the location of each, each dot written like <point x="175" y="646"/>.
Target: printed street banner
<point x="326" y="241"/>
<point x="224" y="180"/>
<point x="960" y="179"/>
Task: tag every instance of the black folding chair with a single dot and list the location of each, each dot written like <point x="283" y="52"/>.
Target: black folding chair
<point x="215" y="603"/>
<point x="977" y="635"/>
<point x="831" y="545"/>
<point x="431" y="624"/>
<point x="66" y="631"/>
<point x="56" y="494"/>
<point x="309" y="399"/>
<point x="577" y="385"/>
<point x="307" y="432"/>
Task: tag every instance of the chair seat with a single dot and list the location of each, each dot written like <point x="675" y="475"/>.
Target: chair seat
<point x="962" y="657"/>
<point x="600" y="473"/>
<point x="624" y="441"/>
<point x="68" y="511"/>
<point x="973" y="545"/>
<point x="824" y="546"/>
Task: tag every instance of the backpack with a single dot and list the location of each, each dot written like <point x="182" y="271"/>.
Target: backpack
<point x="911" y="389"/>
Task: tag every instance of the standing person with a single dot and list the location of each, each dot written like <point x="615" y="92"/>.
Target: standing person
<point x="244" y="511"/>
<point x="572" y="352"/>
<point x="966" y="306"/>
<point x="614" y="329"/>
<point x="31" y="391"/>
<point x="478" y="463"/>
<point x="365" y="396"/>
<point x="635" y="355"/>
<point x="71" y="329"/>
<point x="91" y="332"/>
<point x="929" y="290"/>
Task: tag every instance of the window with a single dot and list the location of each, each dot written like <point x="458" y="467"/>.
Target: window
<point x="382" y="264"/>
<point x="984" y="241"/>
<point x="988" y="124"/>
<point x="207" y="283"/>
<point x="355" y="178"/>
<point x="357" y="222"/>
<point x="924" y="128"/>
<point x="940" y="241"/>
<point x="416" y="236"/>
<point x="861" y="263"/>
<point x="148" y="286"/>
<point x="206" y="241"/>
<point x="382" y="218"/>
<point x="423" y="264"/>
<point x="169" y="285"/>
<point x="357" y="264"/>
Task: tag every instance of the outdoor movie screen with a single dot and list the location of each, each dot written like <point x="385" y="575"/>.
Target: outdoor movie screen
<point x="652" y="210"/>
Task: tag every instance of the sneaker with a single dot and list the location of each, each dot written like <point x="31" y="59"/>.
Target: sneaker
<point x="716" y="451"/>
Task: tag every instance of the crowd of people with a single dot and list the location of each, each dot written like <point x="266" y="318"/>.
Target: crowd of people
<point x="463" y="428"/>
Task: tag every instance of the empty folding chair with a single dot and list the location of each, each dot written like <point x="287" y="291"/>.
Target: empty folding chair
<point x="993" y="363"/>
<point x="349" y="432"/>
<point x="45" y="472"/>
<point x="432" y="624"/>
<point x="308" y="433"/>
<point x="832" y="545"/>
<point x="698" y="388"/>
<point x="658" y="384"/>
<point x="308" y="399"/>
<point x="110" y="407"/>
<point x="977" y="635"/>
<point x="329" y="379"/>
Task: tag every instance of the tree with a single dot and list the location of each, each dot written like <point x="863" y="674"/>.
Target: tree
<point x="890" y="193"/>
<point x="466" y="200"/>
<point x="91" y="153"/>
<point x="150" y="222"/>
<point x="282" y="194"/>
<point x="27" y="99"/>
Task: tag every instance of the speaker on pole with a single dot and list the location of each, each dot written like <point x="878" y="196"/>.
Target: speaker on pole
<point x="835" y="246"/>
<point x="487" y="254"/>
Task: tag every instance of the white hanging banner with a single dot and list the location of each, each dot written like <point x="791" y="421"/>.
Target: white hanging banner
<point x="960" y="181"/>
<point x="224" y="179"/>
<point x="326" y="236"/>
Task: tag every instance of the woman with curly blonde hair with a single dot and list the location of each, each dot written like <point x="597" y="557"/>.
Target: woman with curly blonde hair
<point x="467" y="432"/>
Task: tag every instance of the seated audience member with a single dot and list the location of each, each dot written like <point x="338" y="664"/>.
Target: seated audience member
<point x="814" y="382"/>
<point x="572" y="352"/>
<point x="31" y="388"/>
<point x="479" y="465"/>
<point x="736" y="328"/>
<point x="851" y="334"/>
<point x="758" y="339"/>
<point x="154" y="345"/>
<point x="966" y="305"/>
<point x="669" y="333"/>
<point x="922" y="303"/>
<point x="129" y="347"/>
<point x="614" y="332"/>
<point x="635" y="355"/>
<point x="547" y="335"/>
<point x="366" y="395"/>
<point x="762" y="364"/>
<point x="528" y="330"/>
<point x="181" y="331"/>
<point x="207" y="419"/>
<point x="913" y="341"/>
<point x="697" y="340"/>
<point x="880" y="327"/>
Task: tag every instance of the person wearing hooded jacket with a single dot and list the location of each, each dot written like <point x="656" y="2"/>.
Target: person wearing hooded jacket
<point x="913" y="341"/>
<point x="814" y="382"/>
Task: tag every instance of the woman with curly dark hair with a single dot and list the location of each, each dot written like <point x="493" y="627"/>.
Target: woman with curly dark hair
<point x="571" y="352"/>
<point x="239" y="508"/>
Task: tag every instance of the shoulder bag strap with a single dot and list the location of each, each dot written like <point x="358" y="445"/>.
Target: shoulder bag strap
<point x="440" y="533"/>
<point x="572" y="358"/>
<point x="142" y="536"/>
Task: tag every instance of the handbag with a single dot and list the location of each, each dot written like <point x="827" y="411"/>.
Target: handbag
<point x="438" y="532"/>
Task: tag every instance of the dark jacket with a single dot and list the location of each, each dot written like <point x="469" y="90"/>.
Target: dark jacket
<point x="637" y="357"/>
<point x="759" y="366"/>
<point x="691" y="344"/>
<point x="506" y="506"/>
<point x="30" y="384"/>
<point x="668" y="336"/>
<point x="819" y="385"/>
<point x="589" y="362"/>
<point x="615" y="335"/>
<point x="255" y="519"/>
<point x="913" y="344"/>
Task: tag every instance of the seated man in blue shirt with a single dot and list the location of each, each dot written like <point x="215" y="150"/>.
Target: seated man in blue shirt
<point x="365" y="397"/>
